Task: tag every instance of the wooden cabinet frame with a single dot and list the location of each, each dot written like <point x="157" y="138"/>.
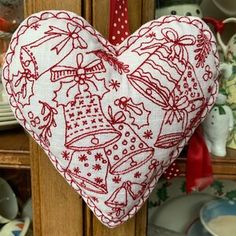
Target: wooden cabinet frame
<point x="57" y="209"/>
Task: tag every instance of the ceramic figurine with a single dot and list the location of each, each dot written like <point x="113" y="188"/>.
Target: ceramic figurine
<point x="228" y="69"/>
<point x="178" y="7"/>
<point x="217" y="126"/>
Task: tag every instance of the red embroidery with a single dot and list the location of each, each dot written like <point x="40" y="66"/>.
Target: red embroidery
<point x="113" y="61"/>
<point x="137" y="112"/>
<point x="70" y="35"/>
<point x="204" y="47"/>
<point x="111" y="119"/>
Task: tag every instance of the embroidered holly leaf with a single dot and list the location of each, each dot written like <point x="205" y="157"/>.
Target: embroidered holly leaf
<point x="137" y="112"/>
<point x="49" y="122"/>
<point x="112" y="60"/>
<point x="203" y="48"/>
<point x="23" y="87"/>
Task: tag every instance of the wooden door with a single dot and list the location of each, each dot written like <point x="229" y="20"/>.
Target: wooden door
<point x="58" y="209"/>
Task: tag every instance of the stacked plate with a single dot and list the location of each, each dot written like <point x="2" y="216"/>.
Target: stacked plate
<point x="7" y="118"/>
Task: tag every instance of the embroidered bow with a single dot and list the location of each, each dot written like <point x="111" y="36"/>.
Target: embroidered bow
<point x="176" y="109"/>
<point x="69" y="38"/>
<point x="178" y="48"/>
<point x="74" y="81"/>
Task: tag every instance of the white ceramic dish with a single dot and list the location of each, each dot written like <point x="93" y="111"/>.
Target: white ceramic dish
<point x="8" y="202"/>
<point x="154" y="230"/>
<point x="178" y="213"/>
<point x="16" y="227"/>
<point x="217" y="208"/>
<point x="27" y="209"/>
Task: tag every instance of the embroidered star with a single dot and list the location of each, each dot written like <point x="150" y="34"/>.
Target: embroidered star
<point x="82" y="158"/>
<point x="35" y="26"/>
<point x="114" y="84"/>
<point x="98" y="180"/>
<point x="116" y="179"/>
<point x="137" y="175"/>
<point x="148" y="134"/>
<point x="76" y="170"/>
<point x="97" y="167"/>
<point x="65" y="155"/>
<point x="98" y="157"/>
<point x="151" y="35"/>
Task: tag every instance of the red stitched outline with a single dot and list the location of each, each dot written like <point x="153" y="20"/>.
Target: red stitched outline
<point x="118" y="51"/>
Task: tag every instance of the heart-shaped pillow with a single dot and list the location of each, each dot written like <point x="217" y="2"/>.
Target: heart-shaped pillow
<point x="111" y="118"/>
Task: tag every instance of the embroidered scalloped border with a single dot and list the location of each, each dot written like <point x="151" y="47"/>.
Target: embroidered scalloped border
<point x="124" y="46"/>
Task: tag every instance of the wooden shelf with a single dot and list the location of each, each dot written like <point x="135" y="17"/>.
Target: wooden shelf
<point x="14" y="149"/>
<point x="223" y="167"/>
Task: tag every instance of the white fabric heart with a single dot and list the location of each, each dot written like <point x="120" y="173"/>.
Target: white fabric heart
<point x="111" y="118"/>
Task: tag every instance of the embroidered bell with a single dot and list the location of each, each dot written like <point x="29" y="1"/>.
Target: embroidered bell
<point x="86" y="126"/>
<point x="170" y="61"/>
<point x="136" y="190"/>
<point x="59" y="44"/>
<point x="184" y="101"/>
<point x="88" y="169"/>
<point x="130" y="151"/>
<point x="119" y="197"/>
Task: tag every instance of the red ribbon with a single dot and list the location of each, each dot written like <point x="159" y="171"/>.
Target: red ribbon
<point x="119" y="23"/>
<point x="198" y="168"/>
<point x="118" y="31"/>
<point x="218" y="24"/>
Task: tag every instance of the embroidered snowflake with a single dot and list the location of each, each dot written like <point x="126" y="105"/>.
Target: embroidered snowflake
<point x="116" y="179"/>
<point x="94" y="199"/>
<point x="76" y="170"/>
<point x="137" y="175"/>
<point x="98" y="180"/>
<point x="65" y="155"/>
<point x="114" y="84"/>
<point x="98" y="156"/>
<point x="83" y="157"/>
<point x="97" y="167"/>
<point x="210" y="89"/>
<point x="35" y="26"/>
<point x="151" y="35"/>
<point x="148" y="134"/>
